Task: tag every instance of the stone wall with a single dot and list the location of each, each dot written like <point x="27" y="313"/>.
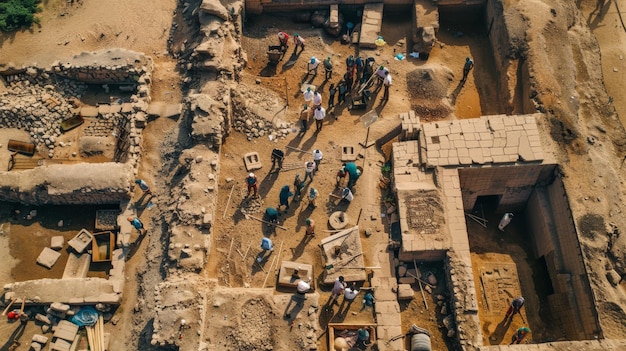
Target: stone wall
<point x="85" y="183"/>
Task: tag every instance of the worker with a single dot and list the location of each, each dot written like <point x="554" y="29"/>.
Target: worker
<point x="143" y="186"/>
<point x="299" y="42"/>
<point x="312" y="66"/>
<point x="343" y="89"/>
<point x="283" y="39"/>
<point x="135" y="222"/>
<point x="302" y="288"/>
<point x="520" y="335"/>
<point x="328" y="69"/>
<point x="272" y="215"/>
<point x="317" y="100"/>
<point x="341" y="175"/>
<point x="298" y="184"/>
<point x="350" y="293"/>
<point x="285" y="194"/>
<point x="304" y="118"/>
<point x="308" y="95"/>
<point x="348" y="77"/>
<point x="332" y="90"/>
<point x="380" y="74"/>
<point x="515" y="307"/>
<point x="277" y="157"/>
<point x="368" y="301"/>
<point x="309" y="170"/>
<point x="251" y="181"/>
<point x="353" y="172"/>
<point x="467" y="67"/>
<point x="338" y="288"/>
<point x="359" y="64"/>
<point x="386" y="85"/>
<point x="506" y="219"/>
<point x="266" y="246"/>
<point x="350" y="63"/>
<point x="319" y="115"/>
<point x="317" y="157"/>
<point x="310" y="227"/>
<point x="313" y="193"/>
<point x="362" y="336"/>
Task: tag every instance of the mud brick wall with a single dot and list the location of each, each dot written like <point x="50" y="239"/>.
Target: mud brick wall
<point x="84" y="184"/>
<point x="514" y="184"/>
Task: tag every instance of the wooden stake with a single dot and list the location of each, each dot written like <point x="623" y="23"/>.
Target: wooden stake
<point x="266" y="222"/>
<point x="239" y="252"/>
<point x="232" y="240"/>
<point x="295" y="148"/>
<point x="267" y="274"/>
<point x="23" y="304"/>
<point x="420" y="283"/>
<point x="90" y="337"/>
<point x="228" y="201"/>
<point x="101" y="334"/>
<point x="9" y="306"/>
<point x="248" y="249"/>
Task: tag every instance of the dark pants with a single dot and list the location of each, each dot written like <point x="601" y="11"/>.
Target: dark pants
<point x="329" y="74"/>
<point x="331" y="101"/>
<point x="465" y="73"/>
<point x="304" y="125"/>
<point x="386" y="93"/>
<point x="342" y="98"/>
<point x="318" y="124"/>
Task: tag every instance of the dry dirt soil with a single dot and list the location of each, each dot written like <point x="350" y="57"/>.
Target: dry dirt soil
<point x="67" y="29"/>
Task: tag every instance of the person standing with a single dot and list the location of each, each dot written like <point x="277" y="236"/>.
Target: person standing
<point x="317" y="157"/>
<point x="348" y="78"/>
<point x="386" y="85"/>
<point x="516" y="306"/>
<point x="283" y="39"/>
<point x="284" y="196"/>
<point x="143" y="186"/>
<point x="299" y="42"/>
<point x="136" y="223"/>
<point x="328" y="68"/>
<point x="320" y="114"/>
<point x="277" y="157"/>
<point x="312" y="66"/>
<point x="310" y="227"/>
<point x="297" y="186"/>
<point x="338" y="289"/>
<point x="251" y="181"/>
<point x="350" y="63"/>
<point x="313" y="193"/>
<point x="304" y="118"/>
<point x="520" y="335"/>
<point x="359" y="64"/>
<point x="343" y="89"/>
<point x="467" y="67"/>
<point x="308" y="95"/>
<point x="317" y="100"/>
<point x="309" y="170"/>
<point x="266" y="245"/>
<point x="332" y="90"/>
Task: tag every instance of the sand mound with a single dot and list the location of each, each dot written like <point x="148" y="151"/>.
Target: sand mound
<point x="429" y="82"/>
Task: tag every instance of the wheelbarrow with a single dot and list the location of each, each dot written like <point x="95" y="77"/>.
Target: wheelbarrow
<point x="360" y="102"/>
<point x="274" y="54"/>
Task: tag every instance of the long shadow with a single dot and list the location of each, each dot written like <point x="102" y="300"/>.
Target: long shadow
<point x="267" y="183"/>
<point x="15" y="337"/>
<point x="269" y="70"/>
<point x="145" y="336"/>
<point x="498" y="335"/>
<point x="293" y="59"/>
<point x="455" y="93"/>
<point x="602" y="8"/>
<point x="299" y="250"/>
<point x="291" y="315"/>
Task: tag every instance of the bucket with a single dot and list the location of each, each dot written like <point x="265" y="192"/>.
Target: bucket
<point x="420" y="342"/>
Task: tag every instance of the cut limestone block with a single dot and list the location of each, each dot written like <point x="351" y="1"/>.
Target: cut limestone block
<point x="405" y="292"/>
<point x="347" y="153"/>
<point x="77" y="266"/>
<point x="48" y="257"/>
<point x="60" y="345"/>
<point x="252" y="161"/>
<point x="66" y="330"/>
<point x="407" y="280"/>
<point x="35" y="346"/>
<point x="81" y="241"/>
<point x="89" y="111"/>
<point x="287" y="275"/>
<point x="56" y="242"/>
<point x="371" y="24"/>
<point x="40" y="339"/>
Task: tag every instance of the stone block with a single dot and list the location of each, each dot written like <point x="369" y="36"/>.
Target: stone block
<point x="48" y="257"/>
<point x="56" y="242"/>
<point x="35" y="346"/>
<point x="66" y="330"/>
<point x="405" y="292"/>
<point x="348" y="153"/>
<point x="40" y="339"/>
<point x="60" y="345"/>
<point x="207" y="220"/>
<point x="252" y="161"/>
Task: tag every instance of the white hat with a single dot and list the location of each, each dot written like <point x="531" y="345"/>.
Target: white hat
<point x="251" y="175"/>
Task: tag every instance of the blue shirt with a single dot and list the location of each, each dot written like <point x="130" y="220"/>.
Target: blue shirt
<point x="266" y="244"/>
<point x="136" y="223"/>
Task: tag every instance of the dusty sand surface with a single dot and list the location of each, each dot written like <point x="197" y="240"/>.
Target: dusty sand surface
<point x="145" y="26"/>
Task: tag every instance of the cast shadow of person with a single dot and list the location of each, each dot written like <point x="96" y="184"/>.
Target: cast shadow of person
<point x="601" y="9"/>
<point x="291" y="62"/>
<point x="267" y="183"/>
<point x="498" y="335"/>
<point x="455" y="93"/>
<point x="291" y="314"/>
<point x="15" y="337"/>
<point x="299" y="249"/>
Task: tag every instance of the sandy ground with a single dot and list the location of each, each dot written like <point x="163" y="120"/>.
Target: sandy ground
<point x="144" y="26"/>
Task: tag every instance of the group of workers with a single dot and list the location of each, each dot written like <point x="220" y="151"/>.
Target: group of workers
<point x="515" y="308"/>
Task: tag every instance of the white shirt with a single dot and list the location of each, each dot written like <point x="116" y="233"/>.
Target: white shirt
<point x="320" y="113"/>
<point x="309" y="167"/>
<point x="303" y="286"/>
<point x="317" y="155"/>
<point x="387" y="80"/>
<point x="308" y="95"/>
<point x="314" y="64"/>
<point x="317" y="99"/>
<point x="350" y="294"/>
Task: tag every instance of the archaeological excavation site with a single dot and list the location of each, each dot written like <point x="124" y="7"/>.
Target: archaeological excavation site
<point x="256" y="175"/>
